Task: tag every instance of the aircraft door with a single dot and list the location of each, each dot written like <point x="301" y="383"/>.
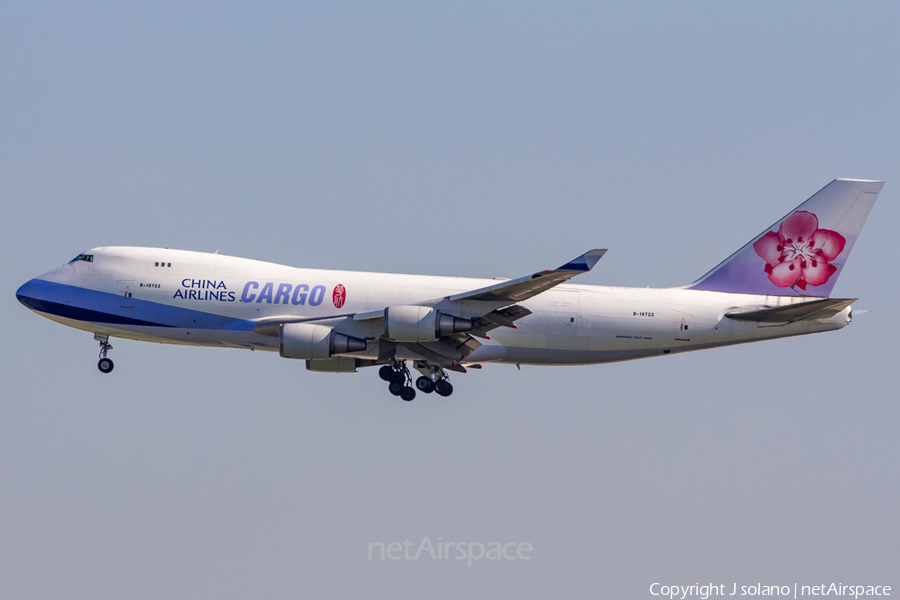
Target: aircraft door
<point x="126" y="290"/>
<point x="682" y="327"/>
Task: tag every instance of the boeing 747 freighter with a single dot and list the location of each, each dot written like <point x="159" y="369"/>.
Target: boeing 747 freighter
<point x="777" y="285"/>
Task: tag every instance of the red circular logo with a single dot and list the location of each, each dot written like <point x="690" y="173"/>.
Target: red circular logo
<point x="339" y="296"/>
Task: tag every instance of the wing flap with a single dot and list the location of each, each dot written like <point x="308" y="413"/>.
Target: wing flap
<point x="369" y="316"/>
<point x="504" y="317"/>
<point x="435" y="357"/>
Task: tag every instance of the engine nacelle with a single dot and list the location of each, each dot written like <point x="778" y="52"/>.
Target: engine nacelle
<point x="305" y="340"/>
<point x="421" y="324"/>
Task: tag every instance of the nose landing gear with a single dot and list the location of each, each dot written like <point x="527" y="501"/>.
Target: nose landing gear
<point x="105" y="364"/>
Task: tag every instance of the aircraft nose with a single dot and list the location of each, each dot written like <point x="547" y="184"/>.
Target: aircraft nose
<point x="26" y="293"/>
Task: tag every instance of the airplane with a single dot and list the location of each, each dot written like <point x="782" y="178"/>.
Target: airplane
<point x="777" y="285"/>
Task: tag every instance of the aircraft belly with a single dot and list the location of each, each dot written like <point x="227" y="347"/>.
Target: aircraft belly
<point x="173" y="335"/>
<point x="543" y="356"/>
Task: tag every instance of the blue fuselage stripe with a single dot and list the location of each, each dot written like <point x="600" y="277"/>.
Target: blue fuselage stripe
<point x="82" y="304"/>
<point x="82" y="314"/>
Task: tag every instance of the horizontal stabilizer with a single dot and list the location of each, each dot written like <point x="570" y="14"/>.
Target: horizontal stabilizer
<point x="801" y="311"/>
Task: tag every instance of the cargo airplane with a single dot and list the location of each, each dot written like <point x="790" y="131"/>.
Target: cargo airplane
<point x="777" y="285"/>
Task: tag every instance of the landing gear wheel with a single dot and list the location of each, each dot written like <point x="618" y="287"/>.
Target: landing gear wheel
<point x="407" y="393"/>
<point x="105" y="365"/>
<point x="443" y="388"/>
<point x="398" y="377"/>
<point x="386" y="372"/>
<point x="425" y="384"/>
<point x="396" y="388"/>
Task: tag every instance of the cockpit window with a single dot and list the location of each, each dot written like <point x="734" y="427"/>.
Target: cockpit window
<point x="84" y="257"/>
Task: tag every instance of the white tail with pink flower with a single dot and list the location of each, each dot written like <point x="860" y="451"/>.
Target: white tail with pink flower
<point x="803" y="253"/>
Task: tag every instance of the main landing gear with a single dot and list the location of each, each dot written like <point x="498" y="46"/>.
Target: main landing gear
<point x="398" y="378"/>
<point x="433" y="379"/>
<point x="400" y="381"/>
<point x="105" y="364"/>
<point x="441" y="385"/>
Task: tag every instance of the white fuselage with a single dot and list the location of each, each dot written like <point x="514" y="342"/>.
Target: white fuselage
<point x="213" y="300"/>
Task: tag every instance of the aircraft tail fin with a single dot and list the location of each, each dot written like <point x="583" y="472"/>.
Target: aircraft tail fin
<point x="804" y="252"/>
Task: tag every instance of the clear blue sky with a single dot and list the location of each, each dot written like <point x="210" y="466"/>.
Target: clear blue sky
<point x="481" y="139"/>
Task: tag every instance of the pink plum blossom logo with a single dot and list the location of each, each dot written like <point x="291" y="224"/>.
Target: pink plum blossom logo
<point x="799" y="253"/>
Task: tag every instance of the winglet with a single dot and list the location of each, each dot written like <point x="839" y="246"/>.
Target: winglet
<point x="585" y="262"/>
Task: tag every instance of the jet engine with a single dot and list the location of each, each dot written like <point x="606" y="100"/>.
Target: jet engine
<point x="305" y="340"/>
<point x="421" y="324"/>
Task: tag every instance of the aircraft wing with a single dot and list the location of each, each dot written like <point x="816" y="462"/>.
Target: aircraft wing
<point x="499" y="309"/>
<point x="800" y="311"/>
<point x="523" y="288"/>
